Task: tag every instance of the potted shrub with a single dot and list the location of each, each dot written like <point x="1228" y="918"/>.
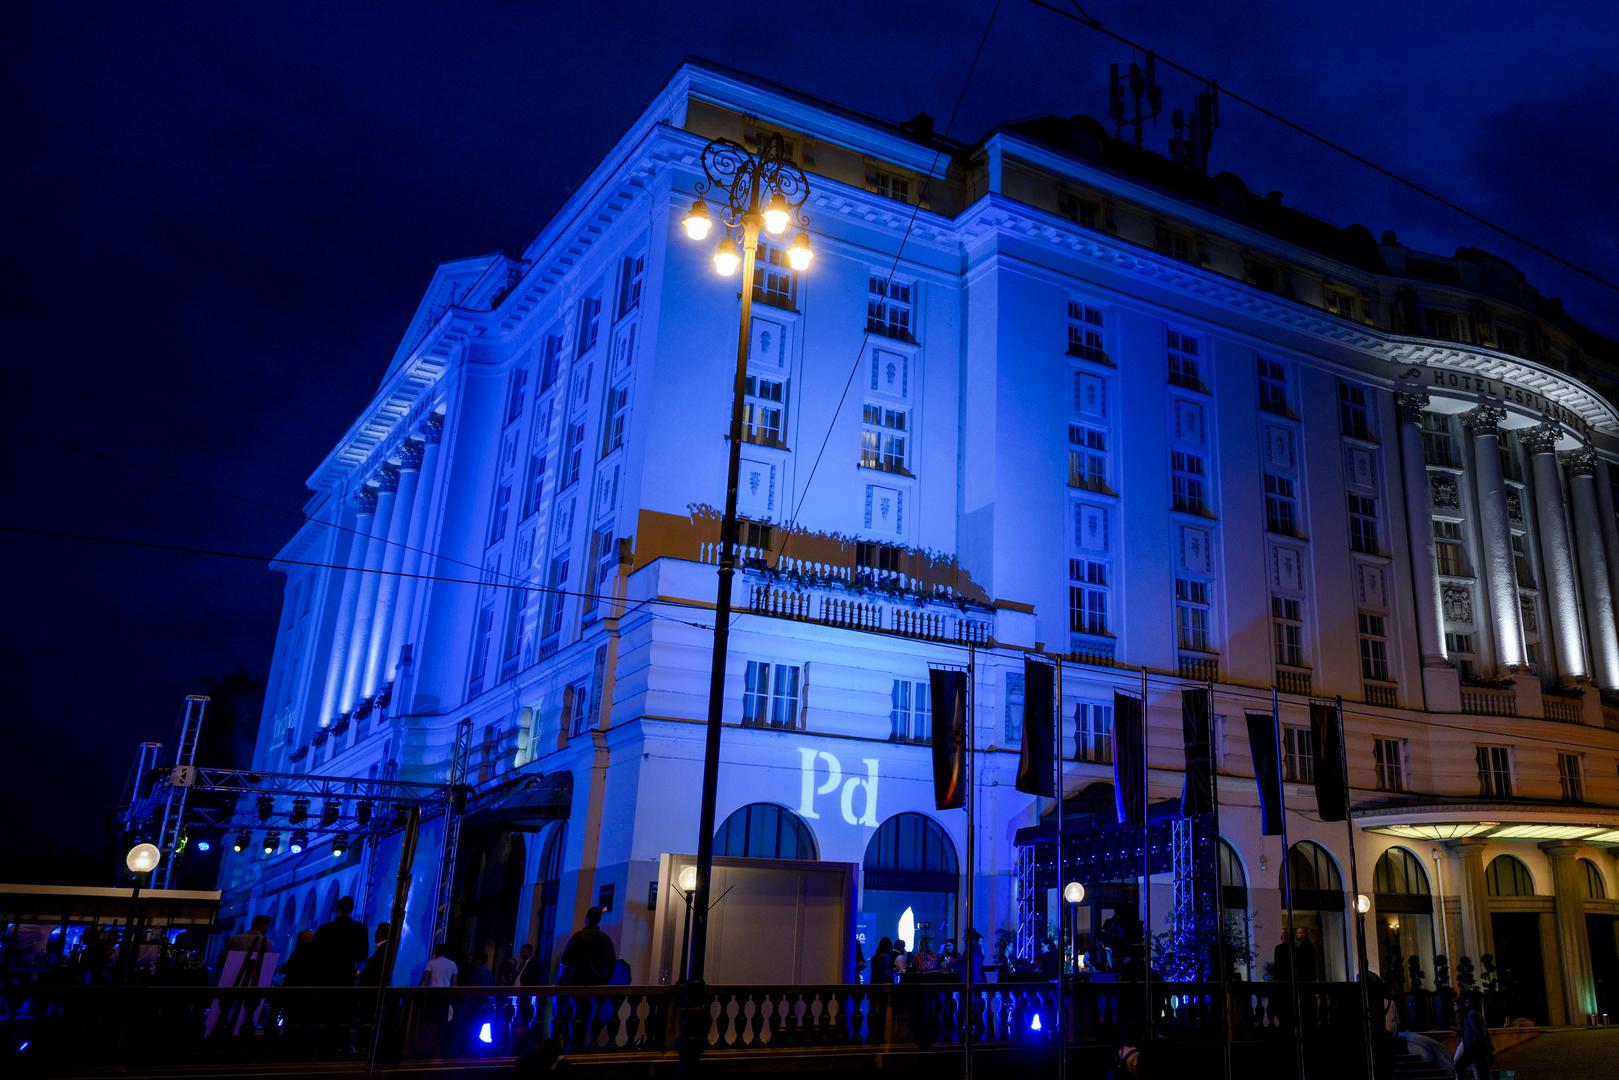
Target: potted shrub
<point x="1416" y="998"/>
<point x="1490" y="983"/>
<point x="1444" y="996"/>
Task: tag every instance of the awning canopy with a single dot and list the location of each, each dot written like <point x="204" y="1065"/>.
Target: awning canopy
<point x="87" y="904"/>
<point x="1519" y="819"/>
<point x="522" y="804"/>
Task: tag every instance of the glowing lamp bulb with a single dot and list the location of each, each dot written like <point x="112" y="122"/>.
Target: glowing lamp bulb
<point x="1363" y="903"/>
<point x="687" y="882"/>
<point x="142" y="858"/>
<point x="776" y="215"/>
<point x="726" y="260"/>
<point x="800" y="254"/>
<point x="697" y="221"/>
<point x="1034" y="1022"/>
<point x="1073" y="892"/>
<point x="485" y="1035"/>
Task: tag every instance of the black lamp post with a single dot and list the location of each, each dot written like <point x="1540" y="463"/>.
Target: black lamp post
<point x="141" y="861"/>
<point x="754" y="191"/>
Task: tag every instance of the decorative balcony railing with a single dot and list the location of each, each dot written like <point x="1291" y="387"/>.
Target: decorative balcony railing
<point x="1380" y="692"/>
<point x="1489" y="701"/>
<point x="1564" y="704"/>
<point x="1292" y="680"/>
<point x="1198" y="668"/>
<point x="868" y="612"/>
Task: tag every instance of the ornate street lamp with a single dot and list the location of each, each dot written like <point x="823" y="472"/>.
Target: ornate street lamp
<point x="751" y="192"/>
<point x="141" y="861"/>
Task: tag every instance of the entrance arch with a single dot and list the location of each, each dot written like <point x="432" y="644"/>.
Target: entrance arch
<point x="910" y="865"/>
<point x="1515" y="926"/>
<point x="1234" y="903"/>
<point x="764" y="831"/>
<point x="1405" y="924"/>
<point x="1318" y="906"/>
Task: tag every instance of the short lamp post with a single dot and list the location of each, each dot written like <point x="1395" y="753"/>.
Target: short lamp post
<point x="1074" y="893"/>
<point x="752" y="191"/>
<point x="685" y="883"/>
<point x="141" y="860"/>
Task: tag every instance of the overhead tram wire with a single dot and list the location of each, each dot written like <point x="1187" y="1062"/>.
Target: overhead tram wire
<point x="1162" y="679"/>
<point x="1081" y="17"/>
<point x="893" y="268"/>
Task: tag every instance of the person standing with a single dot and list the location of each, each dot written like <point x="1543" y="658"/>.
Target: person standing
<point x="341" y="946"/>
<point x="1474" y="1052"/>
<point x="252" y="940"/>
<point x="478" y="973"/>
<point x="372" y="974"/>
<point x="589" y="956"/>
<point x="1303" y="955"/>
<point x="882" y="963"/>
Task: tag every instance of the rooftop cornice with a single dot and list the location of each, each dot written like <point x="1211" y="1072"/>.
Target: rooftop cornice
<point x="996" y="213"/>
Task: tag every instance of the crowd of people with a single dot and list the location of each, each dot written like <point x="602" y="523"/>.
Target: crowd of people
<point x="893" y="961"/>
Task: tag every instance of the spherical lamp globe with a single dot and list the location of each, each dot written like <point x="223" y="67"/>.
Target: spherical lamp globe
<point x="1073" y="892"/>
<point x="142" y="858"/>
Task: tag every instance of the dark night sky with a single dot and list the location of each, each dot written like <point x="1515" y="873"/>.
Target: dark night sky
<point x="221" y="216"/>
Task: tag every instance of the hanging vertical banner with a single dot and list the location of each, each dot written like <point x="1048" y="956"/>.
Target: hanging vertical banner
<point x="949" y="694"/>
<point x="1331" y="789"/>
<point x="1034" y="767"/>
<point x="1197" y="796"/>
<point x="1129" y="759"/>
<point x="1267" y="770"/>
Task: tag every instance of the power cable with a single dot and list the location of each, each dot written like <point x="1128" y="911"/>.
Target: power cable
<point x="1086" y="21"/>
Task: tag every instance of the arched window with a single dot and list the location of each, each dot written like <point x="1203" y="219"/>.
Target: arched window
<point x="1233" y="879"/>
<point x="1591" y="885"/>
<point x="1400" y="873"/>
<point x="910" y="878"/>
<point x="1313" y="869"/>
<point x="550" y="891"/>
<point x="764" y="831"/>
<point x="912" y="843"/>
<point x="1508" y="876"/>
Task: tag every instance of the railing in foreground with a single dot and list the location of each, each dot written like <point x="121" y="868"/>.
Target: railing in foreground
<point x="85" y="1027"/>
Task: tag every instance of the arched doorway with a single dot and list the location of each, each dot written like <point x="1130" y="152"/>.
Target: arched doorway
<point x="1318" y="907"/>
<point x="548" y="891"/>
<point x="1515" y="926"/>
<point x="1405" y="927"/>
<point x="1602" y="935"/>
<point x="1234" y="906"/>
<point x="910" y="865"/>
<point x="764" y="831"/>
<point x="489" y="889"/>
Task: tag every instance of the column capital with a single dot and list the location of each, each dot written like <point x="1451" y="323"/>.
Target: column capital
<point x="365" y="501"/>
<point x="410" y="455"/>
<point x="1581" y="462"/>
<point x="387" y="478"/>
<point x="433" y="430"/>
<point x="1541" y="439"/>
<point x="1559" y="850"/>
<point x="1484" y="420"/>
<point x="1411" y="404"/>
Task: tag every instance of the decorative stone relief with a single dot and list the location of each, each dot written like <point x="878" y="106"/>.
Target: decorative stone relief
<point x="756" y="496"/>
<point x="1194" y="549"/>
<point x="885" y="510"/>
<point x="1091" y="531"/>
<point x="1189" y="425"/>
<point x="1484" y="420"/>
<point x="1515" y="505"/>
<point x="410" y="455"/>
<point x="1457" y="603"/>
<point x="890" y="373"/>
<point x="1371" y="587"/>
<point x="1361" y="465"/>
<point x="1540" y="439"/>
<point x="365" y="501"/>
<point x="1581" y="462"/>
<point x="1287" y="569"/>
<point x="1443" y="491"/>
<point x="769" y="343"/>
<point x="1412" y="404"/>
<point x="1279" y="446"/>
<point x="1090" y="395"/>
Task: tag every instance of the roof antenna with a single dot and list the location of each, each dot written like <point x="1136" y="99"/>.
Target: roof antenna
<point x="1142" y="83"/>
<point x="1194" y="136"/>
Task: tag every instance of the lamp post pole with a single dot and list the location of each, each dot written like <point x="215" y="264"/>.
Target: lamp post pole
<point x="757" y="191"/>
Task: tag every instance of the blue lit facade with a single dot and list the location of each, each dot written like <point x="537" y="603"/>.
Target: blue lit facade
<point x="1104" y="409"/>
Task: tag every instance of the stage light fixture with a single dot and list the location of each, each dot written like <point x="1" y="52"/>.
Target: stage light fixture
<point x="204" y="846"/>
<point x="340" y="846"/>
<point x="243" y="839"/>
<point x="362" y="813"/>
<point x="330" y="811"/>
<point x="272" y="841"/>
<point x="299" y="811"/>
<point x="299" y="840"/>
<point x="265" y="807"/>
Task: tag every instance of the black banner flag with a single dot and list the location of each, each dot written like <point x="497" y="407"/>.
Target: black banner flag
<point x="1129" y="759"/>
<point x="1197" y="796"/>
<point x="1331" y="791"/>
<point x="1267" y="770"/>
<point x="949" y="693"/>
<point x="1034" y="767"/>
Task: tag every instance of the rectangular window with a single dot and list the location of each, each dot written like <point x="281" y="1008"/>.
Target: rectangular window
<point x="882" y="558"/>
<point x="1281" y="505"/>
<point x="1341" y="303"/>
<point x="891" y="186"/>
<point x="1273" y="397"/>
<point x="1521" y="561"/>
<point x="576" y="708"/>
<point x="1085" y="332"/>
<point x="1093" y="732"/>
<point x="1192" y="614"/>
<point x="631" y="279"/>
<point x="618" y="414"/>
<point x="497" y="518"/>
<point x="1450" y="556"/>
<point x="1570" y="776"/>
<point x="1188" y="482"/>
<point x="512" y="639"/>
<point x="1459" y="649"/>
<point x="1087" y="457"/>
<point x="556" y="600"/>
<point x="1267" y="276"/>
<point x="606" y="560"/>
<point x="550" y="361"/>
<point x="1287" y="630"/>
<point x="889" y="309"/>
<point x="515" y="394"/>
<point x="1081" y="211"/>
<point x="534" y="489"/>
<point x="480" y="649"/>
<point x="909" y="715"/>
<point x="1355" y="410"/>
<point x="1438" y="445"/>
<point x="1374" y="647"/>
<point x="1087" y="596"/>
<point x="770" y="695"/>
<point x="763" y="409"/>
<point x="1298" y="755"/>
<point x="1494" y="771"/>
<point x="774" y="282"/>
<point x="573" y="455"/>
<point x="1363" y="523"/>
<point x="1441" y="325"/>
<point x="1185" y="363"/>
<point x="755" y="535"/>
<point x="590" y="319"/>
<point x="882" y="438"/>
<point x="1175" y="245"/>
<point x="1389" y="757"/>
<point x="1508" y="340"/>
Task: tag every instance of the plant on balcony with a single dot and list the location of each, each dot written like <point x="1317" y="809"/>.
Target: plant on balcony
<point x="320" y="737"/>
<point x="340" y="725"/>
<point x="1193" y="952"/>
<point x="298" y="754"/>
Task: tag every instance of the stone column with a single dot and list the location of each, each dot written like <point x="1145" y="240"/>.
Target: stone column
<point x="1573" y="944"/>
<point x="416" y="560"/>
<point x="393" y="554"/>
<point x="1610" y="521"/>
<point x="1556" y="553"/>
<point x="387" y="480"/>
<point x="1419" y="527"/>
<point x="1596" y="562"/>
<point x="365" y="509"/>
<point x="1500" y="576"/>
<point x="1477" y="936"/>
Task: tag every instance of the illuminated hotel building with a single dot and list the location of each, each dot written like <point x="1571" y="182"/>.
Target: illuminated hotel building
<point x="1106" y="408"/>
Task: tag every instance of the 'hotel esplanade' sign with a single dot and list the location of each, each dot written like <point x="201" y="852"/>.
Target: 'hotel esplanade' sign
<point x="1426" y="377"/>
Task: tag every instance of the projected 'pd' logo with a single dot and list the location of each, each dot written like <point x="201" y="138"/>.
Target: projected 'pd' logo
<point x="809" y="768"/>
